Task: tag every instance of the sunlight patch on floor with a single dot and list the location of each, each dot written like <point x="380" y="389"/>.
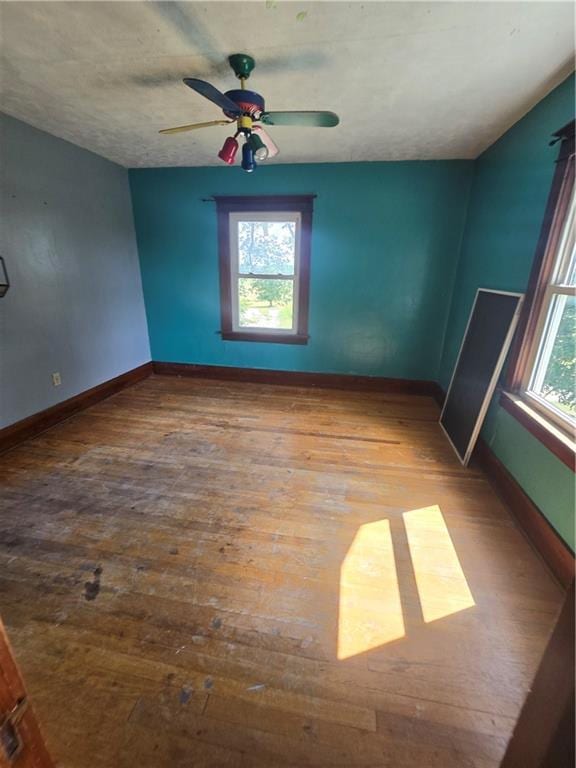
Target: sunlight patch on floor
<point x="370" y="611"/>
<point x="442" y="586"/>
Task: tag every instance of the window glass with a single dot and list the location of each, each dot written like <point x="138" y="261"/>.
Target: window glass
<point x="266" y="247"/>
<point x="266" y="303"/>
<point x="553" y="377"/>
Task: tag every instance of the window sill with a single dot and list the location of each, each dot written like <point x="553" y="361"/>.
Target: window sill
<point x="547" y="433"/>
<point x="269" y="338"/>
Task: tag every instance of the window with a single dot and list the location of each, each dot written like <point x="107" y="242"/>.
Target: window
<point x="542" y="375"/>
<point x="264" y="268"/>
<point x="549" y="379"/>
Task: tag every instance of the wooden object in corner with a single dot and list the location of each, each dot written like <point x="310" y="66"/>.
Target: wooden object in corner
<point x="21" y="743"/>
<point x="544" y="734"/>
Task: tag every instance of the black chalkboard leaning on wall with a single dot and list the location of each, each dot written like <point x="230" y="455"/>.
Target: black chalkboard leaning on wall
<point x="486" y="342"/>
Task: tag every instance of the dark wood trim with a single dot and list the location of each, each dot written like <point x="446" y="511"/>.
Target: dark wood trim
<point x="40" y="422"/>
<point x="264" y="202"/>
<point x="555" y="214"/>
<point x="223" y="223"/>
<point x="300" y="378"/>
<point x="551" y="547"/>
<point x="304" y="279"/>
<point x="544" y="734"/>
<point x="271" y="338"/>
<point x="537" y="426"/>
<point x="230" y="204"/>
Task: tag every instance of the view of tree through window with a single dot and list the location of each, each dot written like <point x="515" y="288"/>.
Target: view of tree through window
<point x="556" y="375"/>
<point x="266" y="266"/>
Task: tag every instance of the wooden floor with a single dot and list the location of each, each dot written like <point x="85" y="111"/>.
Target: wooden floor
<point x="198" y="573"/>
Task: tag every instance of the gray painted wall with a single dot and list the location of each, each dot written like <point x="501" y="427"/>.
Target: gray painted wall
<point x="75" y="305"/>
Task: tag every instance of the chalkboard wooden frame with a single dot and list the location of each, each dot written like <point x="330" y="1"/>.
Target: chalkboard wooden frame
<point x="465" y="455"/>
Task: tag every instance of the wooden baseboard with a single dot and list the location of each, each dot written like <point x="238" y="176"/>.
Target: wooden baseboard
<point x="300" y="378"/>
<point x="551" y="547"/>
<point x="40" y="422"/>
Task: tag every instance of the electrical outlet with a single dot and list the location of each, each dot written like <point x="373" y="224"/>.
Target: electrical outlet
<point x="56" y="379"/>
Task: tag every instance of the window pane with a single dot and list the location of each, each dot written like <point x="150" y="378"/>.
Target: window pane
<point x="265" y="303"/>
<point x="266" y="247"/>
<point x="553" y="378"/>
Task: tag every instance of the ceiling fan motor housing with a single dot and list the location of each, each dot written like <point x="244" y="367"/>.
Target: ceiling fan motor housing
<point x="250" y="102"/>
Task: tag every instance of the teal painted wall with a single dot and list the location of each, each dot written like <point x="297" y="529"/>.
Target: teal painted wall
<point x="507" y="201"/>
<point x="385" y="244"/>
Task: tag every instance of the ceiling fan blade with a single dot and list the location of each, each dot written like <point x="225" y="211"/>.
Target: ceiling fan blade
<point x="194" y="126"/>
<point x="213" y="94"/>
<point x="310" y="119"/>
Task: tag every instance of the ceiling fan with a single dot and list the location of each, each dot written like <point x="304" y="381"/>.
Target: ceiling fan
<point x="246" y="109"/>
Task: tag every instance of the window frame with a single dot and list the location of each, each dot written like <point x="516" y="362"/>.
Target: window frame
<point x="539" y="417"/>
<point x="548" y="317"/>
<point x="231" y="208"/>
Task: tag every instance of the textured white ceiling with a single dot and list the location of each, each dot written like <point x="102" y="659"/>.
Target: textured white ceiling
<point x="409" y="80"/>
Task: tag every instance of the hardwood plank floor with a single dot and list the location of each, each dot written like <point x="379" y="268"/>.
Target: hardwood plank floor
<point x="197" y="573"/>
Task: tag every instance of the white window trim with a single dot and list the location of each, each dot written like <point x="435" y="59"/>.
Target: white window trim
<point x="546" y="328"/>
<point x="233" y="218"/>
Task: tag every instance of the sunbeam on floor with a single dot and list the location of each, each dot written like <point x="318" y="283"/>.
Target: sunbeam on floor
<point x="442" y="586"/>
<point x="370" y="609"/>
